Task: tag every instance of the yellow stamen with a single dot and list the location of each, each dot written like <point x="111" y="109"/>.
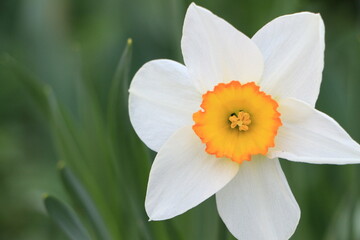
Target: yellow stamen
<point x="242" y="120"/>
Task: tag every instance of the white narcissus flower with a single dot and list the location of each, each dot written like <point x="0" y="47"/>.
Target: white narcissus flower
<point x="220" y="122"/>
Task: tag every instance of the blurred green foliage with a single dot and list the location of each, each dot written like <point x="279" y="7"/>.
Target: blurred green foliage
<point x="63" y="97"/>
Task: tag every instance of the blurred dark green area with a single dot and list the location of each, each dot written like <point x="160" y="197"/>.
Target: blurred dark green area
<point x="75" y="45"/>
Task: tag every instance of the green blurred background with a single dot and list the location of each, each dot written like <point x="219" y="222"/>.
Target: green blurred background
<point x="72" y="49"/>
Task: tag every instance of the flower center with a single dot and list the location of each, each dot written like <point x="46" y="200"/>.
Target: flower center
<point x="242" y="120"/>
<point x="237" y="121"/>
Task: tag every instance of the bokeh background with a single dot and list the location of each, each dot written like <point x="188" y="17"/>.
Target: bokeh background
<point x="62" y="99"/>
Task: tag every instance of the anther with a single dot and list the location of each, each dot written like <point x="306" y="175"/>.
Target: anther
<point x="242" y="120"/>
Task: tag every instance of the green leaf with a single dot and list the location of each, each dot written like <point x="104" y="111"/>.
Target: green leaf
<point x="121" y="134"/>
<point x="118" y="95"/>
<point x="82" y="198"/>
<point x="66" y="219"/>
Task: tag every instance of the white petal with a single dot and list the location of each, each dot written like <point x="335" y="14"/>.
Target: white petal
<point x="184" y="175"/>
<point x="308" y="135"/>
<point x="293" y="50"/>
<point x="258" y="204"/>
<point x="214" y="51"/>
<point x="162" y="100"/>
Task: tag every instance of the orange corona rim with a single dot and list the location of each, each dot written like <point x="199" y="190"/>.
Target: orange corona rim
<point x="237" y="121"/>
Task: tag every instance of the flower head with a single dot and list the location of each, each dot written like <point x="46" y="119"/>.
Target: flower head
<point x="221" y="121"/>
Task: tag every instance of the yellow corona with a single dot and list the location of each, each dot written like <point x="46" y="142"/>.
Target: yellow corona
<point x="237" y="121"/>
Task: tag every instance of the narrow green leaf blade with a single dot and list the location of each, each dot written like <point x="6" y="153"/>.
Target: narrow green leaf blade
<point x="119" y="86"/>
<point x="66" y="219"/>
<point x="81" y="196"/>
